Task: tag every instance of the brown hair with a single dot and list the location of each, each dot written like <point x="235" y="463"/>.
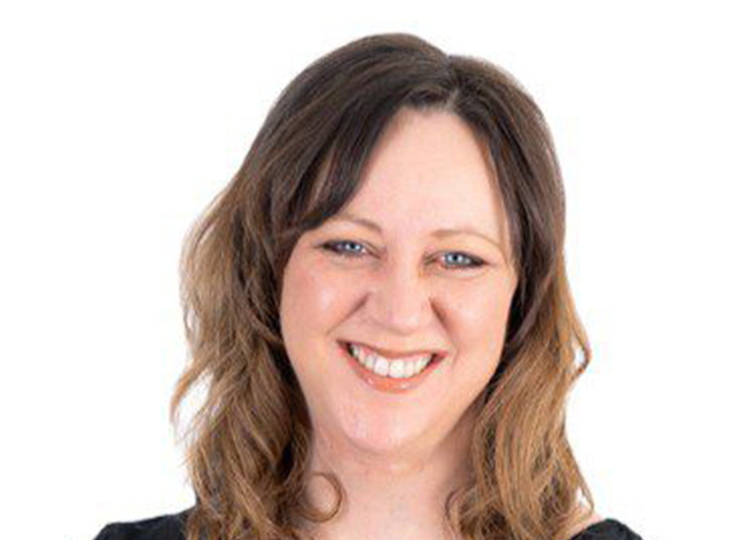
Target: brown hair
<point x="249" y="439"/>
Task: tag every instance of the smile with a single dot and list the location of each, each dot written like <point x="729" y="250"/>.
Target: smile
<point x="404" y="368"/>
<point x="387" y="374"/>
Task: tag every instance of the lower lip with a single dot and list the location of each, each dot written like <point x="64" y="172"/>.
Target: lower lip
<point x="389" y="384"/>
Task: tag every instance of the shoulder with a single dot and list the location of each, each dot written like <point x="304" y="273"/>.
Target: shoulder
<point x="606" y="529"/>
<point x="163" y="527"/>
<point x="592" y="526"/>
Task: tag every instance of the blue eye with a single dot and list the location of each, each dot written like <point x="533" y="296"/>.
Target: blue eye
<point x="333" y="247"/>
<point x="337" y="248"/>
<point x="462" y="256"/>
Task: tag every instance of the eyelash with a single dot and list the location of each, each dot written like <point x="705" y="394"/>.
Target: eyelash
<point x="475" y="262"/>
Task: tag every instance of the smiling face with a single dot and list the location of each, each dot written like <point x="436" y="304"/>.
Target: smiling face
<point x="403" y="288"/>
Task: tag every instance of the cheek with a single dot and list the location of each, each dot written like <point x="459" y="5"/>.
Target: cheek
<point x="480" y="326"/>
<point x="480" y="312"/>
<point x="311" y="305"/>
<point x="316" y="298"/>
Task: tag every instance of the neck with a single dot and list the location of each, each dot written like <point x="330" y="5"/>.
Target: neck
<point x="400" y="494"/>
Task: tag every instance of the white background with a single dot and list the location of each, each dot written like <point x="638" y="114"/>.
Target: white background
<point x="120" y="121"/>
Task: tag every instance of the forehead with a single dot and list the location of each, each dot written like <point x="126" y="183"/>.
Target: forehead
<point x="430" y="170"/>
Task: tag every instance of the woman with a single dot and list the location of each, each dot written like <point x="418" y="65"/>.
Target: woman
<point x="378" y="306"/>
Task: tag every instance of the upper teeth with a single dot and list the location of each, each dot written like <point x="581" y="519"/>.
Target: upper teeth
<point x="398" y="369"/>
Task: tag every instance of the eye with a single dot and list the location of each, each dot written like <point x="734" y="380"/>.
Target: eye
<point x="337" y="247"/>
<point x="334" y="247"/>
<point x="473" y="262"/>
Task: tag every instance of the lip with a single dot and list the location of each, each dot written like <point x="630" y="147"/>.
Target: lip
<point x="389" y="384"/>
<point x="392" y="354"/>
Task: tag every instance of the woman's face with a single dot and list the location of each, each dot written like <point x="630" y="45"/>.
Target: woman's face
<point x="402" y="288"/>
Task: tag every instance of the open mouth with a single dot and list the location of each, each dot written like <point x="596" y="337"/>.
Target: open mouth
<point x="436" y="357"/>
<point x="388" y="379"/>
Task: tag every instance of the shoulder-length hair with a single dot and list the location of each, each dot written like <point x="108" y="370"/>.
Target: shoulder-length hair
<point x="248" y="441"/>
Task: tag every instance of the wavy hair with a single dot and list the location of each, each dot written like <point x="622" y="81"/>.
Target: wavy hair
<point x="248" y="441"/>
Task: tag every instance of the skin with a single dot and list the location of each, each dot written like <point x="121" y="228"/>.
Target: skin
<point x="399" y="455"/>
<point x="586" y="520"/>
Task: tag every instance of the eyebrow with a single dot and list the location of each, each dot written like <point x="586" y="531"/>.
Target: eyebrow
<point x="439" y="233"/>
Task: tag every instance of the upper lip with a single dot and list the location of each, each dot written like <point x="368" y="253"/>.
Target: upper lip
<point x="387" y="353"/>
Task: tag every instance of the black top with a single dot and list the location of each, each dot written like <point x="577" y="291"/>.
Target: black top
<point x="170" y="527"/>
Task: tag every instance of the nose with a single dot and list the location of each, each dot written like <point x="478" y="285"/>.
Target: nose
<point x="400" y="302"/>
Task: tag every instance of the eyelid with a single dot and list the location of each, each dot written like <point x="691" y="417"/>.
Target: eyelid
<point x="475" y="262"/>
